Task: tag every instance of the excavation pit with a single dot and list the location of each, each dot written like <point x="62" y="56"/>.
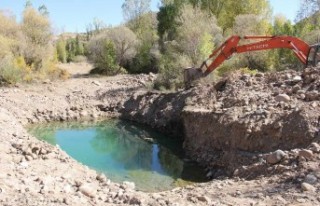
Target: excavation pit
<point x="124" y="152"/>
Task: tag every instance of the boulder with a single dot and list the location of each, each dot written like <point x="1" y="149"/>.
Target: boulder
<point x="282" y="98"/>
<point x="87" y="190"/>
<point x="307" y="187"/>
<point x="275" y="157"/>
<point x="310" y="179"/>
<point x="314" y="147"/>
<point x="307" y="154"/>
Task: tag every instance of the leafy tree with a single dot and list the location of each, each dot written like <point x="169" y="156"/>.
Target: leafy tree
<point x="278" y="25"/>
<point x="193" y="43"/>
<point x="89" y="31"/>
<point x="98" y="25"/>
<point x="313" y="37"/>
<point x="303" y="27"/>
<point x="9" y="47"/>
<point x="71" y="48"/>
<point x="74" y="47"/>
<point x="307" y="9"/>
<point x="37" y="31"/>
<point x="170" y="70"/>
<point x="250" y="24"/>
<point x="94" y="28"/>
<point x="134" y="9"/>
<point x="167" y="18"/>
<point x="28" y="4"/>
<point x="123" y="41"/>
<point x="9" y="72"/>
<point x="61" y="51"/>
<point x="79" y="46"/>
<point x="26" y="49"/>
<point x="308" y="19"/>
<point x="103" y="56"/>
<point x="195" y="38"/>
<point x="43" y="10"/>
<point x="227" y="10"/>
<point x="147" y="54"/>
<point x="10" y="35"/>
<point x="283" y="58"/>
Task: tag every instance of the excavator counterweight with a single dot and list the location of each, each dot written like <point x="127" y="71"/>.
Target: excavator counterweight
<point x="308" y="55"/>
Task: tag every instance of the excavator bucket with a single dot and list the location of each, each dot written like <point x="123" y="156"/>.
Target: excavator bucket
<point x="191" y="74"/>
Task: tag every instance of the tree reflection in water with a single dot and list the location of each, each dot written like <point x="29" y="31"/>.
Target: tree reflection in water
<point x="126" y="143"/>
<point x="120" y="150"/>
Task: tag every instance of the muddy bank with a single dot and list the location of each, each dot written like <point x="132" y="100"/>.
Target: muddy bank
<point x="160" y="111"/>
<point x="237" y="118"/>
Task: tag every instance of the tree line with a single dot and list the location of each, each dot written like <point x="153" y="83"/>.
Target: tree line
<point x="27" y="51"/>
<point x="181" y="34"/>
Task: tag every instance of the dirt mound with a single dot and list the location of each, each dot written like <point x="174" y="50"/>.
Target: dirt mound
<point x="228" y="124"/>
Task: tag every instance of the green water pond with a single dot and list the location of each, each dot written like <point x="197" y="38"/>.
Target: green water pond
<point x="124" y="151"/>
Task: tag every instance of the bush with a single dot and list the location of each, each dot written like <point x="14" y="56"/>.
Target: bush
<point x="112" y="49"/>
<point x="124" y="42"/>
<point x="146" y="61"/>
<point x="195" y="38"/>
<point x="37" y="38"/>
<point x="171" y="68"/>
<point x="26" y="49"/>
<point x="103" y="56"/>
<point x="9" y="73"/>
<point x="61" y="51"/>
<point x="250" y="24"/>
<point x="147" y="55"/>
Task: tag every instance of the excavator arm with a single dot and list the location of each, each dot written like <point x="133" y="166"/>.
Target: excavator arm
<point x="231" y="46"/>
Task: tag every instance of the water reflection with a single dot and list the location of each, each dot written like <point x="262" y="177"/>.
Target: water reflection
<point x="119" y="150"/>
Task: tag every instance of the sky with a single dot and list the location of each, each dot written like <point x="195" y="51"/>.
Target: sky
<point x="75" y="15"/>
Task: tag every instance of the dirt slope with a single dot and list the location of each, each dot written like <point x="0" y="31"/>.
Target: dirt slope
<point x="35" y="173"/>
<point x="235" y="126"/>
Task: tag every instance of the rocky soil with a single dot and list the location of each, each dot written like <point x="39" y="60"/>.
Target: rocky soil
<point x="258" y="136"/>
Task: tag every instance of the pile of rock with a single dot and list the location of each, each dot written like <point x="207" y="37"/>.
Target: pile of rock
<point x="228" y="123"/>
<point x="33" y="151"/>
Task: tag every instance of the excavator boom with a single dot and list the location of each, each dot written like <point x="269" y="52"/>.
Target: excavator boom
<point x="301" y="49"/>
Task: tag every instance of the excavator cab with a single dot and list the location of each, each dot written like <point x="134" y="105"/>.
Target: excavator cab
<point x="314" y="55"/>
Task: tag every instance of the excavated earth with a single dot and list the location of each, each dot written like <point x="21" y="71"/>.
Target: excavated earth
<point x="257" y="135"/>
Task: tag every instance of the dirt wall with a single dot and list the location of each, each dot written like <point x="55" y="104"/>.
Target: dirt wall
<point x="247" y="114"/>
<point x="207" y="130"/>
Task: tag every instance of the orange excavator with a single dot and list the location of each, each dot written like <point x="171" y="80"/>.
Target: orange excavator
<point x="309" y="55"/>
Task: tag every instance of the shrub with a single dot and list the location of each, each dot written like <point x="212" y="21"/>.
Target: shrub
<point x="250" y="24"/>
<point x="9" y="73"/>
<point x="26" y="49"/>
<point x="147" y="55"/>
<point x="145" y="61"/>
<point x="124" y="41"/>
<point x="37" y="32"/>
<point x="61" y="51"/>
<point x="195" y="38"/>
<point x="103" y="56"/>
<point x="112" y="49"/>
<point x="171" y="68"/>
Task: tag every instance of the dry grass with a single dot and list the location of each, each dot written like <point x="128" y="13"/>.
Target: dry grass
<point x="75" y="69"/>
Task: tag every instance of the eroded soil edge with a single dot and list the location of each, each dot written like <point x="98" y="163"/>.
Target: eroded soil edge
<point x="233" y="127"/>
